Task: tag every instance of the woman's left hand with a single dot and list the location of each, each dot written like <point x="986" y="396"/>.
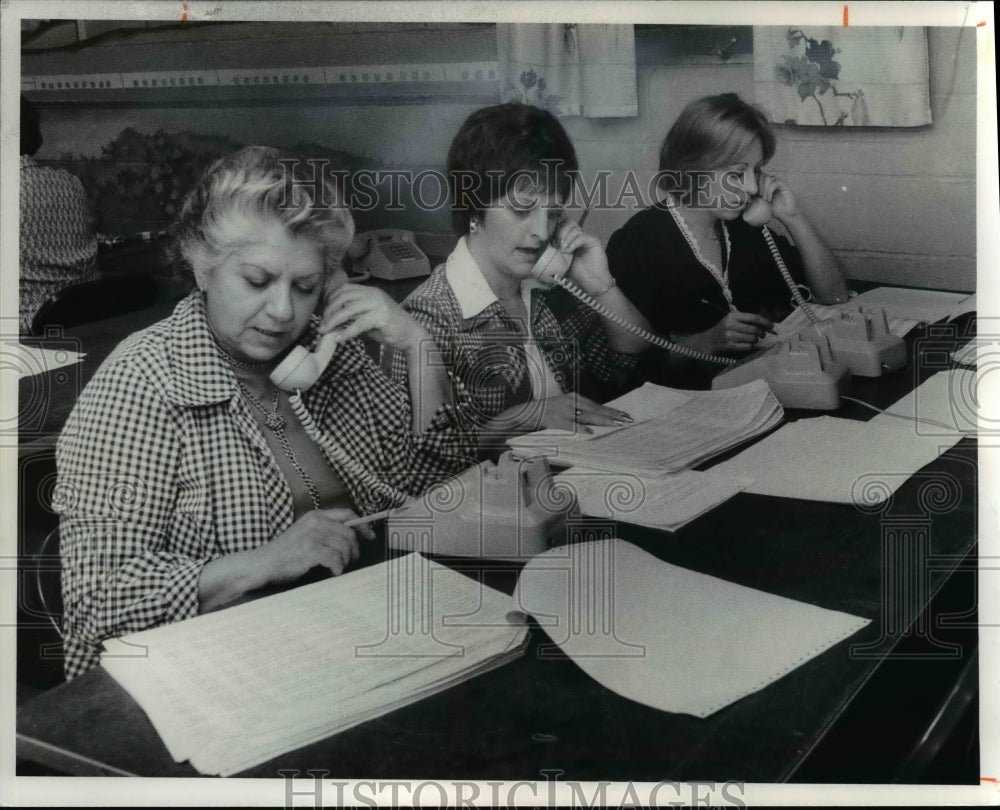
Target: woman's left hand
<point x="589" y="266"/>
<point x="353" y="310"/>
<point x="776" y="191"/>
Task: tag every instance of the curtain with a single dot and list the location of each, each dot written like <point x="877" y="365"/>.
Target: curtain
<point x="852" y="77"/>
<point x="569" y="69"/>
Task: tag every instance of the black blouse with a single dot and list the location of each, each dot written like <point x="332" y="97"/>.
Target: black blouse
<point x="658" y="271"/>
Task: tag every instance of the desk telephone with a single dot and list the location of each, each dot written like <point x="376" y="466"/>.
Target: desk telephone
<point x="466" y="516"/>
<point x="810" y="371"/>
<point x="388" y="253"/>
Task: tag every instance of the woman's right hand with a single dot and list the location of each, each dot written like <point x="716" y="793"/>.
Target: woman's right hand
<point x="737" y="333"/>
<point x="317" y="538"/>
<point x="567" y="411"/>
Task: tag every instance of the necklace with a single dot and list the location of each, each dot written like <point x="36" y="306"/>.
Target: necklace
<point x="721" y="276"/>
<point x="276" y="422"/>
<point x="240" y="363"/>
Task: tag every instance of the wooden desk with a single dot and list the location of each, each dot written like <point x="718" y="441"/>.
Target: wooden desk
<point x="544" y="713"/>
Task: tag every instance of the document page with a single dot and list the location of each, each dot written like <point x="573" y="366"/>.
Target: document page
<point x="836" y="460"/>
<point x="230" y="689"/>
<point x="660" y="503"/>
<point x="668" y="637"/>
<point x="704" y="424"/>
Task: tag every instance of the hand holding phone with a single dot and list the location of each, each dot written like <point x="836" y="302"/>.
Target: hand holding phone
<point x="576" y="254"/>
<point x="774" y="199"/>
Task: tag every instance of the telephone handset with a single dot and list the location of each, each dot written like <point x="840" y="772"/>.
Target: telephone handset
<point x="387" y="253"/>
<point x="301" y="369"/>
<point x="758" y="213"/>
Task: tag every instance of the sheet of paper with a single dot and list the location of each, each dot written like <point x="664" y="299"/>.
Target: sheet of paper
<point x="32" y="360"/>
<point x="234" y="688"/>
<point x="798" y="320"/>
<point x="836" y="460"/>
<point x="704" y="424"/>
<point x="926" y="306"/>
<point x="648" y="401"/>
<point x="668" y="637"/>
<point x="968" y="355"/>
<point x="660" y="503"/>
<point x="948" y="402"/>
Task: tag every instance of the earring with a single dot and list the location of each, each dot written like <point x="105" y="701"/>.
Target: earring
<point x="473" y="224"/>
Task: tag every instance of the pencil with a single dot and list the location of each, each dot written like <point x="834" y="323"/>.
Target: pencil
<point x="717" y="308"/>
<point x="361" y="521"/>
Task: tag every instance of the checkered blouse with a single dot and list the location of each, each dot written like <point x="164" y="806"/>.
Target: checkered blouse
<point x="58" y="247"/>
<point x="486" y="350"/>
<point x="162" y="468"/>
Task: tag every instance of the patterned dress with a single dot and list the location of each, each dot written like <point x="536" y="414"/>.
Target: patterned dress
<point x="162" y="468"/>
<point x="501" y="362"/>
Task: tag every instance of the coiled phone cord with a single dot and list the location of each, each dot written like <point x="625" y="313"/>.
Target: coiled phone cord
<point x="396" y="496"/>
<point x="792" y="286"/>
<point x="650" y="337"/>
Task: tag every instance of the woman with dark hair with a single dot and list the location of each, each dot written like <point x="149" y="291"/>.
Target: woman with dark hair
<point x="529" y="355"/>
<point x="186" y="476"/>
<point x="699" y="271"/>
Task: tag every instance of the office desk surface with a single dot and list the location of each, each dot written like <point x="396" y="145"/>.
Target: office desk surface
<point x="543" y="712"/>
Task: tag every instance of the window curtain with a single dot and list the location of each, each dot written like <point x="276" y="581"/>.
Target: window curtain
<point x="842" y="77"/>
<point x="569" y="69"/>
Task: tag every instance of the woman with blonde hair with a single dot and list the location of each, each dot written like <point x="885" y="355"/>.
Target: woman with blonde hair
<point x="188" y="478"/>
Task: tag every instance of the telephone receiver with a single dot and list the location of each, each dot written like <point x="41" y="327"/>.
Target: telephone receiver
<point x="758" y="212"/>
<point x="301" y="368"/>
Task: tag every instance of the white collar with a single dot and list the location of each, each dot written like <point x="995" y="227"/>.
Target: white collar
<point x="470" y="287"/>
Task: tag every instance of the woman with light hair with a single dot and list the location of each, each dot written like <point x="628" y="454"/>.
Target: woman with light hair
<point x="187" y="477"/>
<point x="698" y="263"/>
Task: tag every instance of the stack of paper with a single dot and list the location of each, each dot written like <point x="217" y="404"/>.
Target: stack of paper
<point x="905" y="308"/>
<point x="659" y="503"/>
<point x="673" y="430"/>
<point x="668" y="637"/>
<point x="231" y="689"/>
<point x="845" y="461"/>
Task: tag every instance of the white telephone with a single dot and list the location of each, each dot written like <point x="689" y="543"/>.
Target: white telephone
<point x="471" y="515"/>
<point x="387" y="253"/>
<point x="509" y="510"/>
<point x="801" y="377"/>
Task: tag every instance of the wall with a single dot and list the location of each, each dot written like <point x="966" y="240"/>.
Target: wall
<point x="896" y="205"/>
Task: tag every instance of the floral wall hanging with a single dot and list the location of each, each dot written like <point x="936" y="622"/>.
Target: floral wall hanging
<point x="842" y="77"/>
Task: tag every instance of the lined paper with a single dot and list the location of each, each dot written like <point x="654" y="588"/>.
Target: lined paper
<point x="845" y="461"/>
<point x="685" y="429"/>
<point x="659" y="503"/>
<point x="234" y="688"/>
<point x="668" y="637"/>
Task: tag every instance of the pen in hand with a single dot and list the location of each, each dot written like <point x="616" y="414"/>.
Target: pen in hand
<point x="717" y="308"/>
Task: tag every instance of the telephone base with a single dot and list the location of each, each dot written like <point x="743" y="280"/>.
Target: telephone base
<point x="506" y="511"/>
<point x="872" y="358"/>
<point x="796" y="374"/>
<point x="861" y="339"/>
